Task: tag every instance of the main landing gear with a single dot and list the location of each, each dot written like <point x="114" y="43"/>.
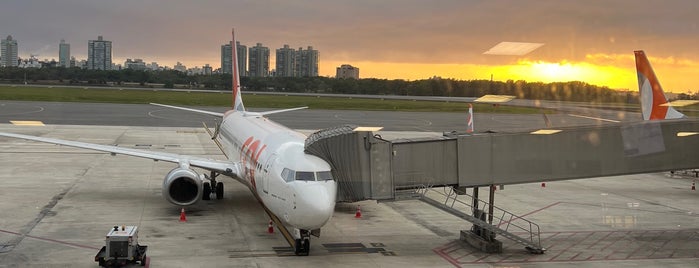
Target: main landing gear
<point x="212" y="187"/>
<point x="303" y="245"/>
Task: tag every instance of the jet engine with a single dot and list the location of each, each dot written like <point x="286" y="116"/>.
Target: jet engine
<point x="182" y="186"/>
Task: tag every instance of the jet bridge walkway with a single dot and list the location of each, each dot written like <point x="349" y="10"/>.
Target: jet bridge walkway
<point x="369" y="167"/>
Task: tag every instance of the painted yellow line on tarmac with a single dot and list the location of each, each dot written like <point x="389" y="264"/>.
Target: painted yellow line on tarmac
<point x="28" y="123"/>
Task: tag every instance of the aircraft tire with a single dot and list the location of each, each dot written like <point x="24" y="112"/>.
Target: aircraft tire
<point x="219" y="190"/>
<point x="207" y="191"/>
<point x="306" y="247"/>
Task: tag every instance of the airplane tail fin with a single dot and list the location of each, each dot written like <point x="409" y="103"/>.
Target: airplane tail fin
<point x="237" y="98"/>
<point x="469" y="119"/>
<point x="654" y="105"/>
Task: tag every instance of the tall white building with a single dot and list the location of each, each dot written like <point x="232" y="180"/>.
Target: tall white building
<point x="8" y="52"/>
<point x="64" y="54"/>
<point x="242" y="58"/>
<point x="286" y="62"/>
<point x="99" y="54"/>
<point x="307" y="62"/>
<point x="258" y="65"/>
<point x="227" y="58"/>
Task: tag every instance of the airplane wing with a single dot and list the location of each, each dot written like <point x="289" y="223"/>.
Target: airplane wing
<point x="223" y="167"/>
<point x="188" y="109"/>
<point x="282" y="111"/>
<point x="221" y="114"/>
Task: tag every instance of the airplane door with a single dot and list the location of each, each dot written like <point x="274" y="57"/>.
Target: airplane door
<point x="267" y="170"/>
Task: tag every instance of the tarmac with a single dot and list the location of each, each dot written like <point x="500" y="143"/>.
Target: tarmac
<point x="58" y="203"/>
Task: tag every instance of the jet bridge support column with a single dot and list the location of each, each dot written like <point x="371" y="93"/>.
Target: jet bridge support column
<point x="475" y="200"/>
<point x="491" y="203"/>
<point x="480" y="237"/>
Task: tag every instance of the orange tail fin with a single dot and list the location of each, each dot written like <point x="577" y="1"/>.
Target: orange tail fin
<point x="654" y="105"/>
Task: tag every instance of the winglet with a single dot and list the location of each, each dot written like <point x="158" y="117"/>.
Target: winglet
<point x="653" y="102"/>
<point x="237" y="99"/>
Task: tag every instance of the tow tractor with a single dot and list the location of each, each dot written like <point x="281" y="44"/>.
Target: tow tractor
<point x="122" y="248"/>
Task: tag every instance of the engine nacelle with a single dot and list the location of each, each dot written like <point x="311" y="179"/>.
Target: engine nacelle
<point x="182" y="187"/>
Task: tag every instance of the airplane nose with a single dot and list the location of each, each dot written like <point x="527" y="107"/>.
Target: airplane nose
<point x="315" y="204"/>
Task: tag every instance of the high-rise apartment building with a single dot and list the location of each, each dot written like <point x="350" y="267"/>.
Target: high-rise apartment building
<point x="286" y="62"/>
<point x="347" y="71"/>
<point x="99" y="54"/>
<point x="258" y="65"/>
<point x="63" y="54"/>
<point x="8" y="52"/>
<point x="227" y="58"/>
<point x="242" y="58"/>
<point x="307" y="62"/>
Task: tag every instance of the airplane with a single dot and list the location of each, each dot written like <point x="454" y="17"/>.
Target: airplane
<point x="654" y="104"/>
<point x="268" y="158"/>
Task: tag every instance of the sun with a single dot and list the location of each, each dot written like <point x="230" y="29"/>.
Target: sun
<point x="555" y="70"/>
<point x="565" y="71"/>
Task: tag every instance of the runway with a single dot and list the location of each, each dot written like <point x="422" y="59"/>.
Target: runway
<point x="57" y="203"/>
<point x="110" y="114"/>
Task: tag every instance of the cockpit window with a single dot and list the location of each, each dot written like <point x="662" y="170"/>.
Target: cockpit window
<point x="325" y="176"/>
<point x="305" y="176"/>
<point x="288" y="175"/>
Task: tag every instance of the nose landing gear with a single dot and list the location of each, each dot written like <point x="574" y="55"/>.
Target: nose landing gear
<point x="303" y="244"/>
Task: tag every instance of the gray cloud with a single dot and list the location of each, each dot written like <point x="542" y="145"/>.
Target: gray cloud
<point x="410" y="31"/>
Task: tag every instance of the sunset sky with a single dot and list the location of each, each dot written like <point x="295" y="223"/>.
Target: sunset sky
<point x="591" y="41"/>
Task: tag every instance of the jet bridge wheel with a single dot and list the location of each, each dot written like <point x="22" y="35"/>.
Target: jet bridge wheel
<point x="207" y="191"/>
<point x="219" y="190"/>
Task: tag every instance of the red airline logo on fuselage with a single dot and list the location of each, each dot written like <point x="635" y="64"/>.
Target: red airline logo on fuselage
<point x="250" y="153"/>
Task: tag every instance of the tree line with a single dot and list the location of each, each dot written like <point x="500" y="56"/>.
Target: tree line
<point x="564" y="91"/>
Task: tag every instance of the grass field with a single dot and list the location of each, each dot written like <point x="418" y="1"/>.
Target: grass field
<point x="194" y="98"/>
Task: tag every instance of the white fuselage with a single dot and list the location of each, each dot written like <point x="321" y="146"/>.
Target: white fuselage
<point x="295" y="186"/>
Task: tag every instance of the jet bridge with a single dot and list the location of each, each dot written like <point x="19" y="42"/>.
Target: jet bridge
<point x="369" y="167"/>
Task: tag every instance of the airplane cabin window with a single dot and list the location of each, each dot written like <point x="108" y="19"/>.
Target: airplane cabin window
<point x="305" y="176"/>
<point x="324" y="176"/>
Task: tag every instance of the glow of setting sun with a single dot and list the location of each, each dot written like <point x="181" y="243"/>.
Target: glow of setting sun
<point x="610" y="76"/>
<point x="613" y="71"/>
<point x="557" y="70"/>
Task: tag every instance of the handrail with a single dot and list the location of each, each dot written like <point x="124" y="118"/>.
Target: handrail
<point x="502" y="219"/>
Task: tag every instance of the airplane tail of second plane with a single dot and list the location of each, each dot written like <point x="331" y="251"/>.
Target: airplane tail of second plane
<point x="654" y="104"/>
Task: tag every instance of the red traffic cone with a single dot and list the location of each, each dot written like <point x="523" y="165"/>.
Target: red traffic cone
<point x="543" y="185"/>
<point x="359" y="212"/>
<point x="270" y="227"/>
<point x="693" y="187"/>
<point x="183" y="218"/>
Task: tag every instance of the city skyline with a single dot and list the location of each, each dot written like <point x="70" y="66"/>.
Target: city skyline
<point x="591" y="41"/>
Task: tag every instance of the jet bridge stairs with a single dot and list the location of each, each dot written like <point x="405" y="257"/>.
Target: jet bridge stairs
<point x="487" y="222"/>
